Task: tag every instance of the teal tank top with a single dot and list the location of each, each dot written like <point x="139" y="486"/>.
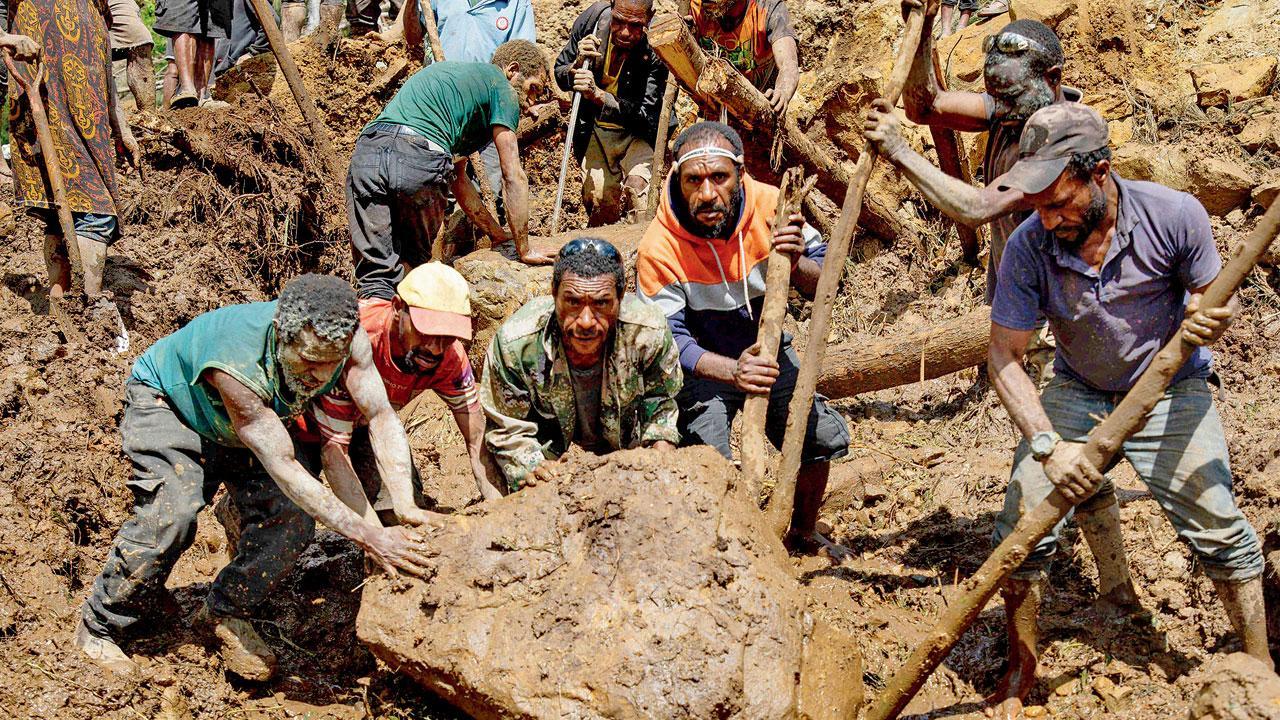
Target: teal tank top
<point x="239" y="340"/>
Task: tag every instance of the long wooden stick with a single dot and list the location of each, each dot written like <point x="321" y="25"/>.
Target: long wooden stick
<point x="948" y="145"/>
<point x="52" y="168"/>
<point x="783" y="499"/>
<point x="319" y="131"/>
<point x="777" y="283"/>
<point x="1104" y="442"/>
<point x="568" y="152"/>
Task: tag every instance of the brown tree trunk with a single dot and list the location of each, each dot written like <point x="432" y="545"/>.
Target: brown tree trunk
<point x="857" y="367"/>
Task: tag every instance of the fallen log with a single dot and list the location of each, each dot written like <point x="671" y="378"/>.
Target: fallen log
<point x="858" y="367"/>
<point x="636" y="585"/>
<point x="714" y="82"/>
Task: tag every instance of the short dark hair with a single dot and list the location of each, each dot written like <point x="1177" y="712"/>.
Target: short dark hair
<point x="647" y="4"/>
<point x="324" y="303"/>
<point x="1083" y="164"/>
<point x="1037" y="62"/>
<point x="529" y="56"/>
<point x="700" y="132"/>
<point x="589" y="257"/>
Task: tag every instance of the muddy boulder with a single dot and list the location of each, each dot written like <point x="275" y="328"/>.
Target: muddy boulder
<point x="1241" y="688"/>
<point x="642" y="584"/>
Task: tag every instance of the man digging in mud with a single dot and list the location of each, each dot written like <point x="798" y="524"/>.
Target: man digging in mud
<point x="1115" y="265"/>
<point x="416" y="337"/>
<point x="589" y="366"/>
<point x="618" y="122"/>
<point x="702" y="261"/>
<point x="757" y="38"/>
<point x="206" y="406"/>
<point x="416" y="150"/>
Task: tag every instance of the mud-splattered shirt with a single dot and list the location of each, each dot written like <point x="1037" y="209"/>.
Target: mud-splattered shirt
<point x="749" y="45"/>
<point x="527" y="392"/>
<point x="1111" y="322"/>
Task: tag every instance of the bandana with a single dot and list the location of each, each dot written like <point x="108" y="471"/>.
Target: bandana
<point x="707" y="152"/>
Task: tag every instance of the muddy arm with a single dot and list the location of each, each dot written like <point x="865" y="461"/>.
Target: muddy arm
<point x="1013" y="385"/>
<point x="471" y="423"/>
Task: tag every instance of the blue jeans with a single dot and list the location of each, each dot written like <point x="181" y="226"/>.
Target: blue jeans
<point x="1181" y="455"/>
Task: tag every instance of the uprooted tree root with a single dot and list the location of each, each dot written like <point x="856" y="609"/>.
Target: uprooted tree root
<point x="259" y="189"/>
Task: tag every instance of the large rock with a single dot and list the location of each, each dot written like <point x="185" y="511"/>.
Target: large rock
<point x="1241" y="688"/>
<point x="1220" y="185"/>
<point x="962" y="54"/>
<point x="1262" y="132"/>
<point x="1266" y="193"/>
<point x="639" y="585"/>
<point x="1049" y="12"/>
<point x="1140" y="161"/>
<point x="1232" y="82"/>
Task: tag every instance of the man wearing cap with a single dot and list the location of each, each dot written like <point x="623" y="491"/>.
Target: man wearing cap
<point x="1117" y="267"/>
<point x="587" y="366"/>
<point x="622" y="94"/>
<point x="702" y="262"/>
<point x="417" y="337"/>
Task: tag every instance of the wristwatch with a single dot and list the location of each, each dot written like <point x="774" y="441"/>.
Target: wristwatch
<point x="1043" y="443"/>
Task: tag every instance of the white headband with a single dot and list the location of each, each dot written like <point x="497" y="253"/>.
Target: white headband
<point x="707" y="152"/>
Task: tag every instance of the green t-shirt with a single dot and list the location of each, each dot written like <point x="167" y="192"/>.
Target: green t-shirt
<point x="455" y="105"/>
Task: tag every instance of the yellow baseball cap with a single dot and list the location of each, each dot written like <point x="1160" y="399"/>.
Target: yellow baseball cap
<point x="439" y="300"/>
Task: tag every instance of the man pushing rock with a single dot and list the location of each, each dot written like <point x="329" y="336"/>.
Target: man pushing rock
<point x="588" y="366"/>
<point x="415" y="152"/>
<point x="207" y="405"/>
<point x="1115" y="265"/>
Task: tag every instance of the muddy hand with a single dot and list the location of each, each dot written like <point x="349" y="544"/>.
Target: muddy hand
<point x="883" y="128"/>
<point x="20" y="47"/>
<point x="588" y="49"/>
<point x="399" y="548"/>
<point x="780" y="95"/>
<point x="416" y="516"/>
<point x="789" y="240"/>
<point x="1071" y="472"/>
<point x="754" y="374"/>
<point x="544" y="474"/>
<point x="930" y="7"/>
<point x="1204" y="327"/>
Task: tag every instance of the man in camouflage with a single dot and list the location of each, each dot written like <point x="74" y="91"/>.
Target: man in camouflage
<point x="588" y="365"/>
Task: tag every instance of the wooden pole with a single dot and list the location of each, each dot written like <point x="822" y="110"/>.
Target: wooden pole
<point x="951" y="160"/>
<point x="854" y="368"/>
<point x="659" y="166"/>
<point x="52" y="169"/>
<point x="319" y="131"/>
<point x="783" y="499"/>
<point x="1103" y="443"/>
<point x="777" y="284"/>
<point x="568" y="152"/>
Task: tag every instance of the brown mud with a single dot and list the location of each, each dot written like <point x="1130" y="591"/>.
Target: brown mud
<point x="233" y="204"/>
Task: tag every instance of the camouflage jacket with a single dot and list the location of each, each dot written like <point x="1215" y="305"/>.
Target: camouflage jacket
<point x="527" y="393"/>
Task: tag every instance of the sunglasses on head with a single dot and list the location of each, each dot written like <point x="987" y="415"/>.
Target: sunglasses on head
<point x="1010" y="43"/>
<point x="596" y="245"/>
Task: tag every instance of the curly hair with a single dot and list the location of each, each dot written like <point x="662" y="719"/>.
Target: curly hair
<point x="1083" y="164"/>
<point x="1037" y="62"/>
<point x="701" y="132"/>
<point x="529" y="57"/>
<point x="589" y="257"/>
<point x="324" y="303"/>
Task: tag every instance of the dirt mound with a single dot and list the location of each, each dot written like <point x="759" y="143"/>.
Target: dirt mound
<point x="637" y="585"/>
<point x="1241" y="688"/>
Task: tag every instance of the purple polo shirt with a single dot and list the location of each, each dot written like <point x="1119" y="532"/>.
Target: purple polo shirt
<point x="1109" y="324"/>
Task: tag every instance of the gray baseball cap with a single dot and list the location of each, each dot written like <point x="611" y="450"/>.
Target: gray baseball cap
<point x="1051" y="136"/>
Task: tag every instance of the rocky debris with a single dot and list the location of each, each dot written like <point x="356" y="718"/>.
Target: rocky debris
<point x="1240" y="688"/>
<point x="640" y="584"/>
<point x="1232" y="82"/>
<point x="1049" y="12"/>
<point x="1261" y="133"/>
<point x="963" y="56"/>
<point x="1220" y="184"/>
<point x="1265" y="194"/>
<point x="1140" y="161"/>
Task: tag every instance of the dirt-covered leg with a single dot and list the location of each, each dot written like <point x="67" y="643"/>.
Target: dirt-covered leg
<point x="1021" y="610"/>
<point x="141" y="76"/>
<point x="1101" y="529"/>
<point x="811" y="484"/>
<point x="1246" y="608"/>
<point x="57" y="265"/>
